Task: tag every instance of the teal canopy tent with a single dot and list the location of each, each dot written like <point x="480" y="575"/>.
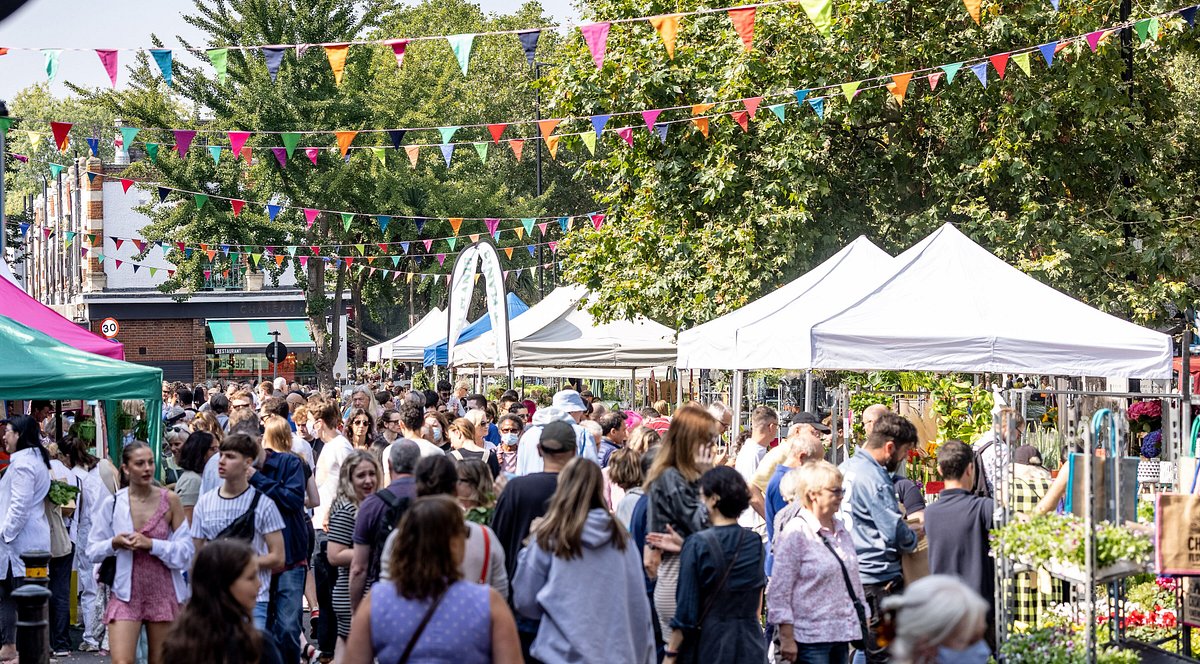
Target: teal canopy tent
<point x="36" y="366"/>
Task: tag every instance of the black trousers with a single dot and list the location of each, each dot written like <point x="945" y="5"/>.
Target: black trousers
<point x="325" y="576"/>
<point x="60" y="602"/>
<point x="875" y="593"/>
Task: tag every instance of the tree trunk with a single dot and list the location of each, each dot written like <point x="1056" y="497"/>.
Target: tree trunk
<point x="327" y="342"/>
<point x="356" y="289"/>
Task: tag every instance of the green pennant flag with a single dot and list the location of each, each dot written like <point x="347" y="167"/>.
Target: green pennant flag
<point x="255" y="258"/>
<point x="362" y="249"/>
<point x="848" y="89"/>
<point x="5" y="123"/>
<point x="347" y="218"/>
<point x="589" y="139"/>
<point x="951" y="71"/>
<point x="200" y="199"/>
<point x="461" y="45"/>
<point x="395" y="261"/>
<point x="215" y="151"/>
<point x="1154" y="28"/>
<point x="381" y="155"/>
<point x="51" y="56"/>
<point x="153" y="271"/>
<point x="127" y="136"/>
<point x="820" y="12"/>
<point x="55" y="169"/>
<point x="219" y="57"/>
<point x="292" y="250"/>
<point x="1143" y="29"/>
<point x="528" y="224"/>
<point x="152" y="152"/>
<point x="290" y="140"/>
<point x="1022" y="61"/>
<point x="482" y="149"/>
<point x="452" y="241"/>
<point x="447" y="133"/>
<point x="779" y="110"/>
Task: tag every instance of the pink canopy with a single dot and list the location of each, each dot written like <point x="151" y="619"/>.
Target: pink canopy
<point x="19" y="306"/>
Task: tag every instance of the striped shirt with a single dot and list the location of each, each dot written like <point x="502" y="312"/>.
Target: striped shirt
<point x="213" y="513"/>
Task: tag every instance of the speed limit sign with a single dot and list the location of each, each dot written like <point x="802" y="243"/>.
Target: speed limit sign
<point x="109" y="328"/>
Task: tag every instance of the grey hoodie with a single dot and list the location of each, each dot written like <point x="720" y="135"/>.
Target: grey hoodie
<point x="593" y="608"/>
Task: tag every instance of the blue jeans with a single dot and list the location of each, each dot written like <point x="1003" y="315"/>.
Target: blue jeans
<point x="822" y="653"/>
<point x="287" y="596"/>
<point x="260" y="615"/>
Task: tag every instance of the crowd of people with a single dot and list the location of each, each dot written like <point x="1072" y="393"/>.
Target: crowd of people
<point x="282" y="524"/>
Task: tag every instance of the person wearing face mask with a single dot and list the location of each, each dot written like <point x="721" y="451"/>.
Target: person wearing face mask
<point x="872" y="515"/>
<point x="938" y="620"/>
<point x="436" y="426"/>
<point x="511" y="427"/>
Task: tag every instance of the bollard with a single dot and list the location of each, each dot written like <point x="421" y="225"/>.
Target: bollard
<point x="33" y="624"/>
<point x="37" y="568"/>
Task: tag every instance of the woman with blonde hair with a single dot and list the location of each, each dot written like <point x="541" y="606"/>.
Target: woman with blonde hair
<point x="207" y="422"/>
<point x="642" y="438"/>
<point x="674" y="506"/>
<point x="582" y="579"/>
<point x="938" y="619"/>
<point x="816" y="597"/>
<point x="359" y="477"/>
<point x="476" y="491"/>
<point x="466" y="439"/>
<point x="277" y="439"/>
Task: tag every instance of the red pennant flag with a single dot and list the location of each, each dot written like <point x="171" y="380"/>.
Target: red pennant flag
<point x="349" y="259"/>
<point x="597" y="220"/>
<point x="315" y="250"/>
<point x="126" y="184"/>
<point x="1000" y="61"/>
<point x="140" y="244"/>
<point x="751" y="104"/>
<point x="237" y="206"/>
<point x="497" y="131"/>
<point x="61" y="134"/>
<point x="246" y="154"/>
<point x="212" y="254"/>
<point x="382" y="246"/>
<point x="933" y="81"/>
<point x="171" y="274"/>
<point x="742" y="118"/>
<point x="743" y="22"/>
<point x="118" y="262"/>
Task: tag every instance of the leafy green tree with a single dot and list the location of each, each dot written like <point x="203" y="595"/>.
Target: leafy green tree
<point x="1076" y="177"/>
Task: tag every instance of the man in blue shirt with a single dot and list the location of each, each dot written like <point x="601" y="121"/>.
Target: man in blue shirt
<point x="872" y="513"/>
<point x="804" y="445"/>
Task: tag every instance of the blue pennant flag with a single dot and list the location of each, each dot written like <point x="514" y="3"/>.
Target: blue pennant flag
<point x="383" y="220"/>
<point x="94" y="146"/>
<point x="980" y="71"/>
<point x="1048" y="52"/>
<point x="598" y="122"/>
<point x="801" y="95"/>
<point x="404" y="247"/>
<point x="447" y="152"/>
<point x="396" y="135"/>
<point x="24" y="228"/>
<point x="562" y="223"/>
<point x="162" y="57"/>
<point x="531" y="249"/>
<point x="529" y="41"/>
<point x="91" y="176"/>
<point x="661" y="129"/>
<point x="163" y="192"/>
<point x="818" y="106"/>
<point x="420" y="223"/>
<point x="274" y="58"/>
<point x="273" y="211"/>
<point x="1189" y="15"/>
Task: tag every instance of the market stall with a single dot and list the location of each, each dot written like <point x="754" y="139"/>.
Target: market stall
<point x="410" y="346"/>
<point x="19" y="306"/>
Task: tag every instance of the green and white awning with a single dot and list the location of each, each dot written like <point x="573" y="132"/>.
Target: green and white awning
<point x="252" y="336"/>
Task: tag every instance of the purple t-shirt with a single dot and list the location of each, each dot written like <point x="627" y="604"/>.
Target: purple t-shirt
<point x="370" y="512"/>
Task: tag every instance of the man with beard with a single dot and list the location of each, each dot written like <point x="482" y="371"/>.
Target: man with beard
<point x="871" y="512"/>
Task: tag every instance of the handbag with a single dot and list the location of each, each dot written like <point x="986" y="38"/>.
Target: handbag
<point x="412" y="641"/>
<point x="108" y="567"/>
<point x="859" y="644"/>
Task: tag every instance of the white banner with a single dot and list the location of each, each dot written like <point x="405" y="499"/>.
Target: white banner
<point x="462" y="285"/>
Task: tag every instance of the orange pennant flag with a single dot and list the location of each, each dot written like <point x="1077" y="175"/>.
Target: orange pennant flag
<point x="246" y="154"/>
<point x="456" y="223"/>
<point x="973" y="9"/>
<point x="552" y="144"/>
<point x="667" y="27"/>
<point x="701" y="109"/>
<point x="899" y="86"/>
<point x="517" y="144"/>
<point x="508" y="251"/>
<point x="743" y="22"/>
<point x="547" y="127"/>
<point x="279" y="259"/>
<point x="414" y="152"/>
<point x="344" y="139"/>
<point x="474" y="237"/>
<point x="337" y="60"/>
<point x="702" y="125"/>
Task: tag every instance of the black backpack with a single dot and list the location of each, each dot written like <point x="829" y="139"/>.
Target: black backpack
<point x="395" y="508"/>
<point x="242" y="528"/>
<point x="982" y="487"/>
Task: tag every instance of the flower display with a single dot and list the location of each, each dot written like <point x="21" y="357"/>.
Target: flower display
<point x="1148" y="410"/>
<point x="1152" y="444"/>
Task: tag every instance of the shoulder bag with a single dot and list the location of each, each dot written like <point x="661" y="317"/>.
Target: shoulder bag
<point x="108" y="567"/>
<point x="242" y="528"/>
<point x="859" y="644"/>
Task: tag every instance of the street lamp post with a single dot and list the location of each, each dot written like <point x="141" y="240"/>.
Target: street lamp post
<point x="274" y="364"/>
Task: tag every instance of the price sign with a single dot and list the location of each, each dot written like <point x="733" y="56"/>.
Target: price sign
<point x="1191" y="601"/>
<point x="109" y="327"/>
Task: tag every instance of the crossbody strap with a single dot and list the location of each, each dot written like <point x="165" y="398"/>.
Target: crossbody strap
<point x="712" y="598"/>
<point x="412" y="642"/>
<point x="487" y="554"/>
<point x="858" y="607"/>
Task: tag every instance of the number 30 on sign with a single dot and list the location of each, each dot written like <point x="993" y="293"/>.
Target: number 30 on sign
<point x="109" y="328"/>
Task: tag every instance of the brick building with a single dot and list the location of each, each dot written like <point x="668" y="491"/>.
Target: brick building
<point x="220" y="331"/>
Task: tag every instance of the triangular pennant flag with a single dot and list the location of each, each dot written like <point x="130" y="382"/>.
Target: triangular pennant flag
<point x="1142" y="28"/>
<point x="108" y="58"/>
<point x="183" y="141"/>
<point x="25" y="229"/>
<point x="94" y="147"/>
<point x="973" y="9"/>
<point x="508" y="252"/>
<point x="496" y="130"/>
<point x="153" y="271"/>
<point x="163" y="192"/>
<point x="702" y="125"/>
<point x="1189" y="14"/>
<point x="312" y="153"/>
<point x="362" y="249"/>
<point x="56" y="169"/>
<point x="441" y="259"/>
<point x="589" y="140"/>
<point x="247" y="154"/>
<point x="344" y="139"/>
<point x="303" y="262"/>
<point x="274" y="58"/>
<point x="899" y="87"/>
<point x="850" y="89"/>
<point x="473" y="237"/>
<point x="281" y="156"/>
<point x="396" y="135"/>
<point x="461" y="45"/>
<point x="91" y="176"/>
<point x="236" y="140"/>
<point x="820" y="12"/>
<point x="667" y="27"/>
<point x="564" y="224"/>
<point x="200" y="200"/>
<point x="598" y="123"/>
<point x="1048" y="51"/>
<point x="310" y="215"/>
<point x="35" y="139"/>
<point x="596" y="36"/>
<point x="273" y="211"/>
<point x="492" y="225"/>
<point x="62" y="137"/>
<point x="380" y="154"/>
<point x="743" y="22"/>
<point x="1022" y="62"/>
<point x="162" y="58"/>
<point x="219" y="57"/>
<point x="626" y="134"/>
<point x="51" y="57"/>
<point x="517" y="145"/>
<point x="215" y="151"/>
<point x="818" y="106"/>
<point x="290" y="141"/>
<point x="347" y="219"/>
<point x="383" y="220"/>
<point x="951" y="71"/>
<point x="552" y="145"/>
<point x="140" y="244"/>
<point x="279" y="259"/>
<point x="127" y="136"/>
<point x="933" y="79"/>
<point x="597" y="221"/>
<point x="117" y="242"/>
<point x="553" y="247"/>
<point x="455" y="224"/>
<point x="751" y="104"/>
<point x="447" y="133"/>
<point x="661" y="130"/>
<point x="336" y="54"/>
<point x="447" y="152"/>
<point x="237" y="206"/>
<point x="1154" y="27"/>
<point x="742" y="118"/>
<point x="650" y="117"/>
<point x="428" y="244"/>
<point x="482" y="149"/>
<point x="542" y="227"/>
<point x="413" y="154"/>
<point x="1000" y="62"/>
<point x="546" y="127"/>
<point x="529" y="42"/>
<point x="980" y="71"/>
<point x="118" y="262"/>
<point x="398" y="48"/>
<point x="5" y="125"/>
<point x="291" y="249"/>
<point x="780" y="111"/>
<point x="532" y="249"/>
<point x="527" y="224"/>
<point x="125" y="184"/>
<point x="1093" y="39"/>
<point x="255" y="258"/>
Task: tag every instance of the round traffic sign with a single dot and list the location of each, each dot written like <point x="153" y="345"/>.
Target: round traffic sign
<point x="109" y="327"/>
<point x="276" y="352"/>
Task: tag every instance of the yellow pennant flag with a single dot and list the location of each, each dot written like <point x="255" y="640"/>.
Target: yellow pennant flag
<point x="899" y="87"/>
<point x="552" y="144"/>
<point x="520" y="233"/>
<point x="1022" y="61"/>
<point x="337" y="60"/>
<point x="414" y="152"/>
<point x="344" y="139"/>
<point x="973" y="9"/>
<point x="848" y="89"/>
<point x="667" y="27"/>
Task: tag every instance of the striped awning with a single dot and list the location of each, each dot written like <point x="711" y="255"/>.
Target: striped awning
<point x="252" y="336"/>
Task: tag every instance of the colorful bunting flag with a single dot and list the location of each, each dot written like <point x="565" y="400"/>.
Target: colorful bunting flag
<point x="274" y="59"/>
<point x="742" y="118"/>
<point x="980" y="71"/>
<point x="820" y="12"/>
<point x="743" y="22"/>
<point x="482" y="149"/>
<point x="1093" y="39"/>
<point x="455" y="224"/>
<point x="552" y="145"/>
<point x="447" y="152"/>
<point x="461" y="45"/>
<point x="899" y="87"/>
<point x="200" y="200"/>
<point x="1189" y="14"/>
<point x="237" y="206"/>
<point x="273" y="211"/>
<point x="818" y="106"/>
<point x="396" y="136"/>
<point x="800" y="96"/>
<point x="336" y="54"/>
<point x="281" y="156"/>
<point x="1000" y="62"/>
<point x="1048" y="51"/>
<point x="780" y="111"/>
<point x="933" y="79"/>
<point x="492" y="225"/>
<point x="290" y="141"/>
<point x="529" y="42"/>
<point x="344" y="139"/>
<point x="973" y="9"/>
<point x="57" y="169"/>
<point x="596" y="37"/>
<point x="398" y="48"/>
<point x="108" y="58"/>
<point x="219" y="57"/>
<point x="152" y="152"/>
<point x="589" y="141"/>
<point x="626" y="134"/>
<point x="751" y="104"/>
<point x="546" y="127"/>
<point x="1022" y="62"/>
<point x="413" y="154"/>
<point x="517" y="145"/>
<point x="162" y="58"/>
<point x="347" y="220"/>
<point x="183" y="141"/>
<point x="126" y="184"/>
<point x="215" y="151"/>
<point x="598" y="123"/>
<point x="51" y="57"/>
<point x="61" y="131"/>
<point x="496" y="130"/>
<point x="380" y="154"/>
<point x="597" y="221"/>
<point x="850" y="89"/>
<point x="447" y="133"/>
<point x="383" y="220"/>
<point x="93" y="146"/>
<point x="650" y="117"/>
<point x="237" y="139"/>
<point x="951" y="71"/>
<point x="667" y="27"/>
<point x="311" y="153"/>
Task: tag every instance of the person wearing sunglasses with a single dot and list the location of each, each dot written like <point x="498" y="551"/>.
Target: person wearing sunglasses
<point x="390" y="427"/>
<point x="361" y="428"/>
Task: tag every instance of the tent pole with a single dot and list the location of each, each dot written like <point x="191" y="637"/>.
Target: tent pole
<point x="58" y="434"/>
<point x="735" y="395"/>
<point x="808" y="392"/>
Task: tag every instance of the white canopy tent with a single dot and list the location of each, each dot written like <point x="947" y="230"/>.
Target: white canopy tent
<point x="556" y="333"/>
<point x="950" y="305"/>
<point x="410" y="346"/>
<point x="6" y="273"/>
<point x="771" y="332"/>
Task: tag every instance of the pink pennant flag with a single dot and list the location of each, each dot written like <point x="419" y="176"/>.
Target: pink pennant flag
<point x="441" y="259"/>
<point x="597" y="220"/>
<point x="183" y="141"/>
<point x="1093" y="39"/>
<point x="310" y="215"/>
<point x="492" y="225"/>
<point x="398" y="46"/>
<point x="236" y="140"/>
<point x="542" y="228"/>
<point x="553" y="246"/>
<point x="428" y="244"/>
<point x="934" y="79"/>
<point x="108" y="58"/>
<point x="650" y="117"/>
<point x="303" y="261"/>
<point x="596" y="36"/>
<point x="751" y="104"/>
<point x="627" y="134"/>
<point x="119" y="262"/>
<point x="312" y="155"/>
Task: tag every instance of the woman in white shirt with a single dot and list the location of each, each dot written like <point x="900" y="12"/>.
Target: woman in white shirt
<point x="23" y="525"/>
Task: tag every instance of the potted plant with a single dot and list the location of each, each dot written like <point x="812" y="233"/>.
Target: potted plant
<point x="1056" y="543"/>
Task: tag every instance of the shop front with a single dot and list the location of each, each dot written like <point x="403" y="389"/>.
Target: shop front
<point x="236" y="349"/>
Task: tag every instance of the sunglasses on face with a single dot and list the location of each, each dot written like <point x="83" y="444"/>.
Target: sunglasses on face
<point x="359" y="423"/>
